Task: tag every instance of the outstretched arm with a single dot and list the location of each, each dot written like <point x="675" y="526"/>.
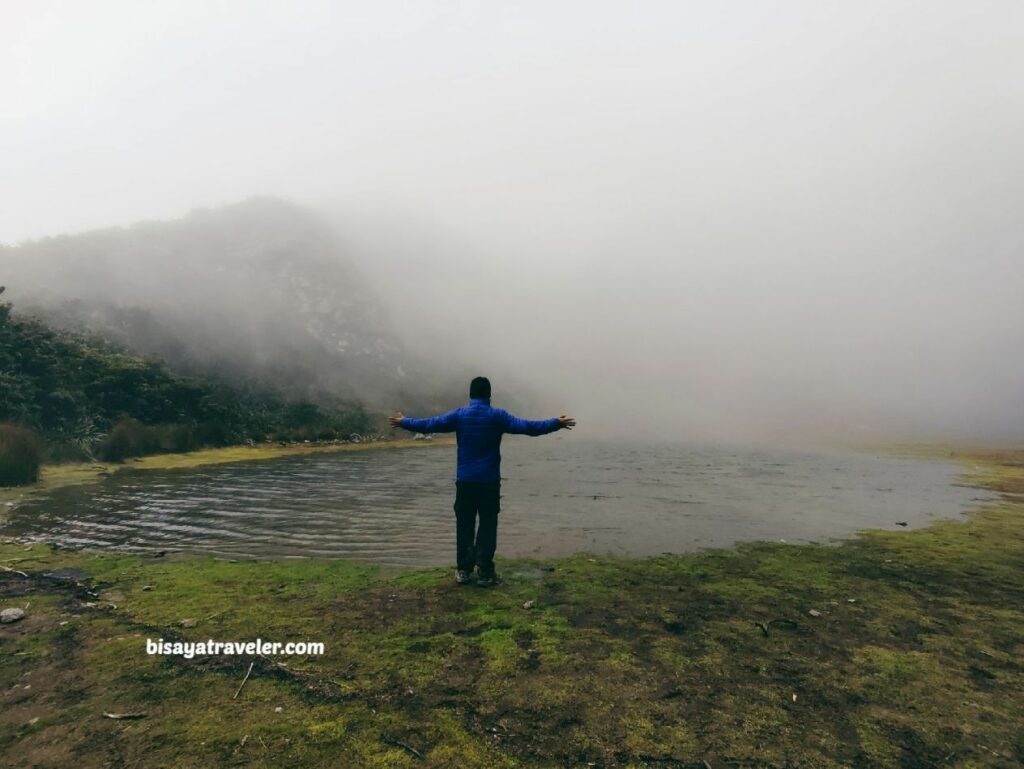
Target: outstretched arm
<point x="519" y="426"/>
<point x="445" y="423"/>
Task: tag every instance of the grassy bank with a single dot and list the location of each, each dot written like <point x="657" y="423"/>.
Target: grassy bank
<point x="897" y="649"/>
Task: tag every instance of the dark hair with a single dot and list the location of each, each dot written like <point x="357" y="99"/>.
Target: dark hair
<point x="480" y="387"/>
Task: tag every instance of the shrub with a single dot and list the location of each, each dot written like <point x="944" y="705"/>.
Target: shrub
<point x="214" y="433"/>
<point x="128" y="438"/>
<point x="56" y="451"/>
<point x="177" y="438"/>
<point x="20" y="455"/>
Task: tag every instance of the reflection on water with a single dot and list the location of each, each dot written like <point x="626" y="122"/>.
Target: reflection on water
<point x="560" y="495"/>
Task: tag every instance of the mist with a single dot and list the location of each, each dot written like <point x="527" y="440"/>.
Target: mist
<point x="729" y="220"/>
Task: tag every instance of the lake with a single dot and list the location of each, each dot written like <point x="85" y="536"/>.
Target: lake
<point x="560" y="494"/>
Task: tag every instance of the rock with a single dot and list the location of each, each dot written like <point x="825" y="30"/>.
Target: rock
<point x="814" y="613"/>
<point x="528" y="605"/>
<point x="189" y="622"/>
<point x="11" y="615"/>
<point x="851" y="600"/>
<point x="146" y="588"/>
<point x="278" y="709"/>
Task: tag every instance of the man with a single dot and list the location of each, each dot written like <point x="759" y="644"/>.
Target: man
<point x="478" y="428"/>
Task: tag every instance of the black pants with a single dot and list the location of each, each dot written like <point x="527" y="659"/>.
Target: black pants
<point x="475" y="546"/>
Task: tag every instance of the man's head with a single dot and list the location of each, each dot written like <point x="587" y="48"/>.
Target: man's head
<point x="480" y="387"/>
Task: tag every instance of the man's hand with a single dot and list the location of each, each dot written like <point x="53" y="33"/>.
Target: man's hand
<point x="566" y="423"/>
<point x="395" y="420"/>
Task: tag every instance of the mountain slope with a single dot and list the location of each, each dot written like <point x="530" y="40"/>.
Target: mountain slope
<point x="83" y="395"/>
<point x="260" y="292"/>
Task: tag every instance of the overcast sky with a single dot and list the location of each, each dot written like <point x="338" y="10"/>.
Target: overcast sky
<point x="684" y="216"/>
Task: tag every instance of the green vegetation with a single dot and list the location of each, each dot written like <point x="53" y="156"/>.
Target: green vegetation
<point x="89" y="399"/>
<point x="911" y="657"/>
<point x="20" y="455"/>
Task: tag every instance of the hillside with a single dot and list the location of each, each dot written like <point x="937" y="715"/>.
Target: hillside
<point x="86" y="396"/>
<point x="261" y="293"/>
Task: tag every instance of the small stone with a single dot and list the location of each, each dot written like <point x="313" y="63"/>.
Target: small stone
<point x="851" y="600"/>
<point x="814" y="613"/>
<point x="278" y="709"/>
<point x="146" y="588"/>
<point x="188" y="622"/>
<point x="528" y="605"/>
<point x="34" y="721"/>
<point x="11" y="615"/>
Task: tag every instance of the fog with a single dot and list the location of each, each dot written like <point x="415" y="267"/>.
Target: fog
<point x="678" y="219"/>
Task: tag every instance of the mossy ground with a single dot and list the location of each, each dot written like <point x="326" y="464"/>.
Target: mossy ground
<point x="915" y="657"/>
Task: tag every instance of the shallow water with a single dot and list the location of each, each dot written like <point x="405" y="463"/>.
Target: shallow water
<point x="560" y="494"/>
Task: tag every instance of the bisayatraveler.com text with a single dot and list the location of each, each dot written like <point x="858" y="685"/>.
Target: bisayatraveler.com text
<point x="190" y="649"/>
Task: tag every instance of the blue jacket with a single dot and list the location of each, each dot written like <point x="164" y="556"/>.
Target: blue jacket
<point x="478" y="428"/>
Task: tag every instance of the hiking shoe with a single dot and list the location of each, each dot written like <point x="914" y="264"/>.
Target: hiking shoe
<point x="462" y="577"/>
<point x="488" y="580"/>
